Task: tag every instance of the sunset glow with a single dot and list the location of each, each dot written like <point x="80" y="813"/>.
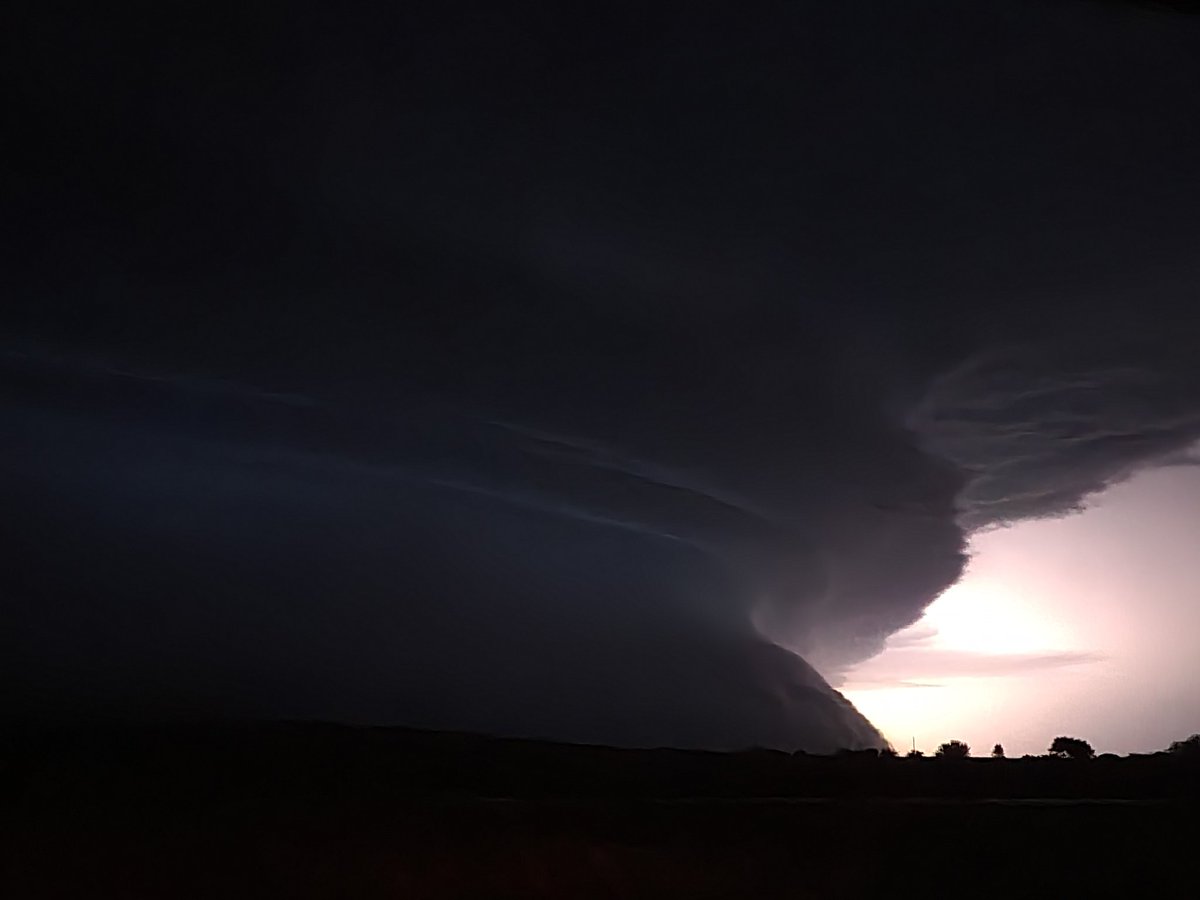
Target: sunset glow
<point x="982" y="616"/>
<point x="1039" y="635"/>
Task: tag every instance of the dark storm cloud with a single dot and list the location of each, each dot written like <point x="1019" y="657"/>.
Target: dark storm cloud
<point x="1188" y="7"/>
<point x="1043" y="426"/>
<point x="36" y="361"/>
<point x="586" y="376"/>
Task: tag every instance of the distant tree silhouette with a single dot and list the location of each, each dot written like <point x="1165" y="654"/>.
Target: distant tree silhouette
<point x="1071" y="748"/>
<point x="998" y="752"/>
<point x="1189" y="748"/>
<point x="953" y="750"/>
<point x="914" y="753"/>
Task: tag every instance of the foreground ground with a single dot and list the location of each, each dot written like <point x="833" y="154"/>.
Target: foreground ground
<point x="837" y="849"/>
<point x="287" y="816"/>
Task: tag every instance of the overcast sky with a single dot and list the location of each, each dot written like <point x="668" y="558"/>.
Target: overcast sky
<point x="628" y="374"/>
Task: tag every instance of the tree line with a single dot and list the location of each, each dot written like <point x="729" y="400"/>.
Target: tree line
<point x="1062" y="747"/>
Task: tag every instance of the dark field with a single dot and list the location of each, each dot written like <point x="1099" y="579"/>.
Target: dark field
<point x="836" y="849"/>
<point x="327" y="818"/>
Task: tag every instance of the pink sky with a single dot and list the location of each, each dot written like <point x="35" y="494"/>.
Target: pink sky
<point x="1083" y="626"/>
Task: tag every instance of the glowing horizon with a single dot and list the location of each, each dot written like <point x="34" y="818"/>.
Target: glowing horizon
<point x="1039" y="639"/>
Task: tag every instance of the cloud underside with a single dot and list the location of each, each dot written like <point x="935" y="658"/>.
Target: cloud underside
<point x="463" y="572"/>
<point x="489" y="378"/>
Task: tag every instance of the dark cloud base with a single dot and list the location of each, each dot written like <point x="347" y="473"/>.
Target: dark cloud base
<point x="603" y="378"/>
